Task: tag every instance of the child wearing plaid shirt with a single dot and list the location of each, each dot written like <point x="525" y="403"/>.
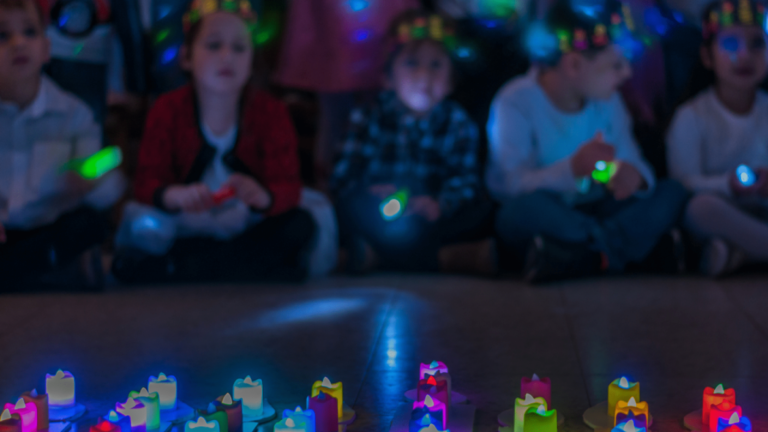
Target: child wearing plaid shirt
<point x="413" y="140"/>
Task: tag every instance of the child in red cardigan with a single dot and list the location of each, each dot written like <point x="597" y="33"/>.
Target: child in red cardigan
<point x="221" y="157"/>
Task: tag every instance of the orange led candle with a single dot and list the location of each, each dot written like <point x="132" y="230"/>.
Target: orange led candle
<point x="623" y="409"/>
<point x="725" y="411"/>
<point x="621" y="390"/>
<point x="716" y="396"/>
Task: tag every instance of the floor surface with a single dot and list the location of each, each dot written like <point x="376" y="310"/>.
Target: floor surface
<point x="676" y="336"/>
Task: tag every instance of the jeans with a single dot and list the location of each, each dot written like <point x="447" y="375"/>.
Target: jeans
<point x="410" y="243"/>
<point x="625" y="231"/>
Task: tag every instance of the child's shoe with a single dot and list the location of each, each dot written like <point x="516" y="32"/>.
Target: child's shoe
<point x="720" y="259"/>
<point x="550" y="260"/>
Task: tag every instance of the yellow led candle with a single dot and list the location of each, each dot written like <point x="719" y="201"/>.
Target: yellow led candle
<point x="540" y="420"/>
<point x="522" y="406"/>
<point x="152" y="402"/>
<point x="621" y="390"/>
<point x="632" y="406"/>
<point x="331" y="389"/>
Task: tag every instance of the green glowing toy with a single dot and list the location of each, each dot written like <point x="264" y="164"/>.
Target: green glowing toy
<point x="96" y="166"/>
<point x="604" y="171"/>
<point x="393" y="206"/>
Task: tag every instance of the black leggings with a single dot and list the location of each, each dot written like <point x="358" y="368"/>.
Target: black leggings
<point x="276" y="249"/>
<point x="411" y="243"/>
<point x="28" y="254"/>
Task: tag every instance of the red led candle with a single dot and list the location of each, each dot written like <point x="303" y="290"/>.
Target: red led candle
<point x="9" y="422"/>
<point x="41" y="402"/>
<point x="715" y="396"/>
<point x="536" y="387"/>
<point x="326" y="412"/>
<point x="436" y="389"/>
<point x="725" y="411"/>
<point x="105" y="426"/>
<point x="234" y="410"/>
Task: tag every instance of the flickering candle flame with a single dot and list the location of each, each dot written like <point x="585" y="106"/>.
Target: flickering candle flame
<point x="624" y="383"/>
<point x="6" y="415"/>
<point x="432" y="381"/>
<point x="143" y="392"/>
<point x="113" y="417"/>
<point x="734" y="419"/>
<point x="298" y="409"/>
<point x="541" y="410"/>
<point x="630" y="426"/>
<point x="431" y="428"/>
<point x="326" y="382"/>
<point x="632" y="402"/>
<point x="20" y="404"/>
<point x="130" y="403"/>
<point x="434" y="364"/>
<point x="429" y="402"/>
<point x="59" y="374"/>
<point x="105" y="425"/>
<point x="290" y="423"/>
<point x="719" y="389"/>
<point x="201" y="423"/>
<point x="248" y="379"/>
<point x="227" y="400"/>
<point x="162" y="377"/>
<point x="528" y="399"/>
<point x="535" y="378"/>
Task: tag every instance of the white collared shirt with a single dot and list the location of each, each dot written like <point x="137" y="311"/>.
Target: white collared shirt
<point x="34" y="144"/>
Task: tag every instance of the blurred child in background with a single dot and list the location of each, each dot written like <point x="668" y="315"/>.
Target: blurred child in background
<point x="548" y="133"/>
<point x="723" y="126"/>
<point x="49" y="216"/>
<point x="416" y="141"/>
<point x="221" y="157"/>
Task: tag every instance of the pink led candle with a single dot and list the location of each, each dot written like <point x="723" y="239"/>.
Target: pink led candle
<point x="440" y="371"/>
<point x="9" y="422"/>
<point x="536" y="387"/>
<point x="435" y="408"/>
<point x="27" y="413"/>
<point x="431" y="387"/>
<point x="716" y="396"/>
<point x="725" y="411"/>
<point x="326" y="412"/>
<point x="41" y="403"/>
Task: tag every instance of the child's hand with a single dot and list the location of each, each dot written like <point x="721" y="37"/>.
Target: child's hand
<point x="76" y="185"/>
<point x="759" y="188"/>
<point x="382" y="191"/>
<point x="424" y="206"/>
<point x="3" y="238"/>
<point x="625" y="182"/>
<point x="595" y="150"/>
<point x="249" y="191"/>
<point x="195" y="198"/>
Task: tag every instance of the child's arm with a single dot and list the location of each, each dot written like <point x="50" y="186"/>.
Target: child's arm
<point x="512" y="161"/>
<point x="462" y="182"/>
<point x="684" y="156"/>
<point x="154" y="172"/>
<point x="627" y="150"/>
<point x="280" y="156"/>
<point x="356" y="152"/>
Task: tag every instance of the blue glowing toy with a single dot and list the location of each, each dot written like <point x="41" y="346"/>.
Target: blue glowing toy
<point x="394" y="205"/>
<point x="746" y="176"/>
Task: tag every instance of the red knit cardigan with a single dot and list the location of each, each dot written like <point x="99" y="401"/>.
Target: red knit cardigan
<point x="174" y="151"/>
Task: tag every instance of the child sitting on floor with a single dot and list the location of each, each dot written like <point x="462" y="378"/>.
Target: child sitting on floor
<point x="49" y="216"/>
<point x="414" y="141"/>
<point x="724" y="126"/>
<point x="219" y="158"/>
<point x="548" y="133"/>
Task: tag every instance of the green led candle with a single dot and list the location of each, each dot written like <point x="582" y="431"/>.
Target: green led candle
<point x="604" y="171"/>
<point x="522" y="406"/>
<point x="394" y="205"/>
<point x="219" y="416"/>
<point x="540" y="420"/>
<point x="152" y="402"/>
<point x="100" y="163"/>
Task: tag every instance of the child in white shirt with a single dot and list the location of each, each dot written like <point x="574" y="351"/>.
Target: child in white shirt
<point x="723" y="127"/>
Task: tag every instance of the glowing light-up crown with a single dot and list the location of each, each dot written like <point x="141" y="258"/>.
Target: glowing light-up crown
<point x="598" y="36"/>
<point x="425" y="27"/>
<point x="200" y="8"/>
<point x="730" y="13"/>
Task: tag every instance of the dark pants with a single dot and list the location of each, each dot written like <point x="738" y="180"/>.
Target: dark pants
<point x="626" y="231"/>
<point x="276" y="249"/>
<point x="410" y="243"/>
<point x="29" y="254"/>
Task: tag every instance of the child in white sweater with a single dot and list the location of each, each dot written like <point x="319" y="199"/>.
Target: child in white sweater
<point x="724" y="127"/>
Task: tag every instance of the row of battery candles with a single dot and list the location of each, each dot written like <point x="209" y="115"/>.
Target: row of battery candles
<point x="141" y="412"/>
<point x="142" y="409"/>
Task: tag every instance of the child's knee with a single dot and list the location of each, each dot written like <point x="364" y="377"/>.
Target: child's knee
<point x="705" y="209"/>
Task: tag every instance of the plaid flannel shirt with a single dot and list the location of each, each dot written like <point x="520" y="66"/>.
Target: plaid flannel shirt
<point x="434" y="155"/>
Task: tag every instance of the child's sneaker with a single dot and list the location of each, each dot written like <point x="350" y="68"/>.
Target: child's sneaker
<point x="550" y="260"/>
<point x="719" y="259"/>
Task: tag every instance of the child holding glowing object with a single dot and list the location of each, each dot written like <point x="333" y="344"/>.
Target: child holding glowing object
<point x="413" y="141"/>
<point x="549" y="130"/>
<point x="214" y="135"/>
<point x="49" y="216"/>
<point x="721" y="128"/>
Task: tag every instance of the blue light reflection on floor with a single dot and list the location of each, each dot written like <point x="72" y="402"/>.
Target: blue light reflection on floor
<point x="310" y="310"/>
